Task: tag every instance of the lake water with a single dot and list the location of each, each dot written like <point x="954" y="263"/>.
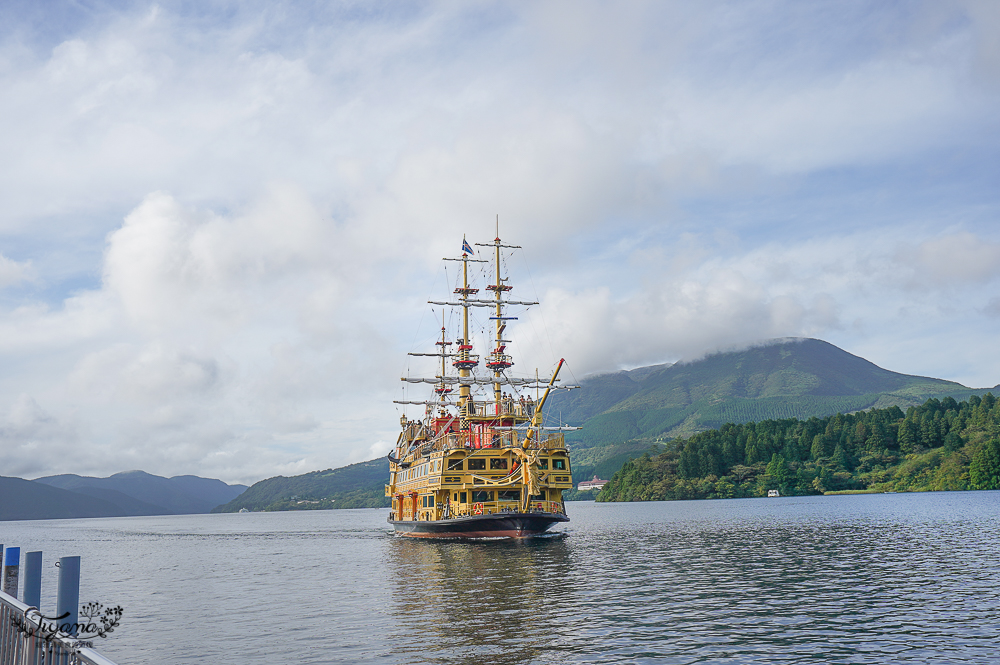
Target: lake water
<point x="894" y="578"/>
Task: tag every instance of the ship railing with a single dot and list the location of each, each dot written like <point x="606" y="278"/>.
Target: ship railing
<point x="504" y="507"/>
<point x="505" y="407"/>
<point x="553" y="441"/>
<point x="469" y="440"/>
<point x="23" y="641"/>
<point x="492" y="439"/>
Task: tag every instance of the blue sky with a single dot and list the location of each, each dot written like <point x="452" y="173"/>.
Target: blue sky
<point x="222" y="220"/>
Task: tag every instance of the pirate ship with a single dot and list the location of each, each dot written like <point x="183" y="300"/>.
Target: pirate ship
<point x="479" y="464"/>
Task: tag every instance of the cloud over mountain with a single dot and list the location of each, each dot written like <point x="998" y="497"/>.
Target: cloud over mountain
<point x="221" y="221"/>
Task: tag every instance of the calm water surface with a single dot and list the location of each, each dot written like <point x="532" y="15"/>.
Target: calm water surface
<point x="895" y="578"/>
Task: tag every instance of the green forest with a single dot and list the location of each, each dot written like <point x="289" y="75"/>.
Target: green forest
<point x="940" y="445"/>
<point x="359" y="485"/>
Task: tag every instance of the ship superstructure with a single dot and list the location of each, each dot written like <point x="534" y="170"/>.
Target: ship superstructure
<point x="479" y="463"/>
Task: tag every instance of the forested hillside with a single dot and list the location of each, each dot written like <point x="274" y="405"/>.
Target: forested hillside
<point x="626" y="413"/>
<point x="940" y="445"/>
<point x="360" y="485"/>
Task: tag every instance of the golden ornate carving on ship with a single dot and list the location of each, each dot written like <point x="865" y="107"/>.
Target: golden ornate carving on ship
<point x="481" y="464"/>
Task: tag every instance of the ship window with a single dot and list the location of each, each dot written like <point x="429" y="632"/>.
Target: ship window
<point x="498" y="463"/>
<point x="454" y="465"/>
<point x="430" y="502"/>
<point x="558" y="463"/>
<point x="480" y="496"/>
<point x="537" y="497"/>
<point x="477" y="465"/>
<point x="509" y="495"/>
<point x="543" y="464"/>
<point x="456" y="497"/>
<point x="462" y="499"/>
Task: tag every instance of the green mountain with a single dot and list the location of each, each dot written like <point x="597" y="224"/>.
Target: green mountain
<point x="626" y="413"/>
<point x="784" y="379"/>
<point x="141" y="493"/>
<point x="359" y="485"/>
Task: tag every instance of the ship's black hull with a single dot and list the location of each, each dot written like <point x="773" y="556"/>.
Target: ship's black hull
<point x="499" y="525"/>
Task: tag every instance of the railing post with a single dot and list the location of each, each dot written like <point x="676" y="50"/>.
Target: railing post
<point x="33" y="579"/>
<point x="11" y="566"/>
<point x="68" y="593"/>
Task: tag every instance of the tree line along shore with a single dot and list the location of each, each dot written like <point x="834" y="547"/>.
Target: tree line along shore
<point x="940" y="445"/>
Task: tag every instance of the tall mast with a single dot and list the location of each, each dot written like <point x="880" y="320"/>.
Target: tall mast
<point x="499" y="360"/>
<point x="465" y="390"/>
<point x="443" y="389"/>
<point x="498" y="348"/>
<point x="465" y="361"/>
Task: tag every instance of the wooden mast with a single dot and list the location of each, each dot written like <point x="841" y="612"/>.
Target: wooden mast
<point x="497" y="293"/>
<point x="464" y="390"/>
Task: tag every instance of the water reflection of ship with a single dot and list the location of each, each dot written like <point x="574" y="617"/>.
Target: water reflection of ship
<point x="492" y="603"/>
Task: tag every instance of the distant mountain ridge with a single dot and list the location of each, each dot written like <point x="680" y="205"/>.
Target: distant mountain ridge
<point x="27" y="500"/>
<point x="130" y="493"/>
<point x="179" y="495"/>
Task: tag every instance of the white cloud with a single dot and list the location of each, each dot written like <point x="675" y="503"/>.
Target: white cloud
<point x="33" y="438"/>
<point x="289" y="178"/>
<point x="13" y="272"/>
<point x="731" y="298"/>
<point x="954" y="258"/>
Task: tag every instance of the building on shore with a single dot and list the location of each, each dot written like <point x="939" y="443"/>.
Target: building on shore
<point x="595" y="484"/>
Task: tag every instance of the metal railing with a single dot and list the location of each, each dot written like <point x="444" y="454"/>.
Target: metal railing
<point x="502" y="507"/>
<point x="23" y="641"/>
<point x="491" y="439"/>
<point x="506" y="407"/>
